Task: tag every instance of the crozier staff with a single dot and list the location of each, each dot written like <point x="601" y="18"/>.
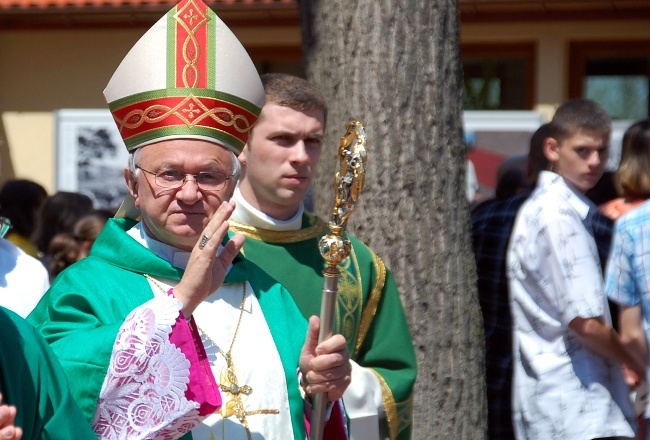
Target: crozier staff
<point x="335" y="247"/>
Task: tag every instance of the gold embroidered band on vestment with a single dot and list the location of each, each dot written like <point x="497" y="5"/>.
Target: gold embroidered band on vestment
<point x="279" y="237"/>
<point x="370" y="308"/>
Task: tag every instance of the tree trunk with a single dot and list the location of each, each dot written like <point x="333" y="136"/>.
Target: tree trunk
<point x="394" y="65"/>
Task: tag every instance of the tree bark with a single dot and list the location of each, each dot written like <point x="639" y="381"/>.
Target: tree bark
<point x="394" y="65"/>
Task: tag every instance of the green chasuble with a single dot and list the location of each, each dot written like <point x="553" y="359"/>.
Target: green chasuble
<point x="81" y="313"/>
<point x="369" y="309"/>
<point x="32" y="380"/>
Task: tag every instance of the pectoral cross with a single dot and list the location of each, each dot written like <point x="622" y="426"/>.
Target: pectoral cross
<point x="235" y="406"/>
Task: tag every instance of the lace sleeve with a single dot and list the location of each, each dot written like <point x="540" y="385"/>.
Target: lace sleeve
<point x="144" y="392"/>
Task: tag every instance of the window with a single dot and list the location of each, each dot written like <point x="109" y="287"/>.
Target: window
<point x="614" y="74"/>
<point x="498" y="76"/>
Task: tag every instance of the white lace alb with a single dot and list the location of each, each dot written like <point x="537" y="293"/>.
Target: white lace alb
<point x="143" y="395"/>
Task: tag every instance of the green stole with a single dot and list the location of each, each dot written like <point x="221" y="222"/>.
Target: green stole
<point x="81" y="313"/>
<point x="369" y="310"/>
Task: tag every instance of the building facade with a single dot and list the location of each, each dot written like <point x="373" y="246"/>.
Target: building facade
<point x="521" y="55"/>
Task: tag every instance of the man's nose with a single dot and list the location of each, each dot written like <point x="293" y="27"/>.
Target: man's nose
<point x="595" y="159"/>
<point x="299" y="152"/>
<point x="189" y="190"/>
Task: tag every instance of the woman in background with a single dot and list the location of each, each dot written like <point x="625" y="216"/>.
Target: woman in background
<point x="65" y="248"/>
<point x="633" y="176"/>
<point x="627" y="280"/>
<point x="58" y="214"/>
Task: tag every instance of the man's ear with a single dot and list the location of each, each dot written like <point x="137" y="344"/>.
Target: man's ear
<point x="132" y="185"/>
<point x="551" y="150"/>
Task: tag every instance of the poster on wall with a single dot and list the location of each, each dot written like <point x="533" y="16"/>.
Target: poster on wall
<point x="492" y="137"/>
<point x="90" y="156"/>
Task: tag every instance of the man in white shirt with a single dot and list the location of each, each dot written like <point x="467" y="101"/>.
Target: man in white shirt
<point x="568" y="380"/>
<point x="23" y="279"/>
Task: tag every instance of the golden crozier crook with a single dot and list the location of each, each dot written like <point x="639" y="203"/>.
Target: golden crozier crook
<point x="228" y="381"/>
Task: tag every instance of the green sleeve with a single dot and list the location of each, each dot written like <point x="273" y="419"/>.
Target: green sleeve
<point x="80" y="317"/>
<point x="397" y="367"/>
<point x="384" y="343"/>
<point x="32" y="379"/>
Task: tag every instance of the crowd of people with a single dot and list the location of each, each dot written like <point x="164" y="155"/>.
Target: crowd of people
<point x="44" y="235"/>
<point x="192" y="311"/>
<point x="563" y="285"/>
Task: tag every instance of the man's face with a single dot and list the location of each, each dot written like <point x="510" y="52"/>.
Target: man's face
<point x="280" y="159"/>
<point x="580" y="159"/>
<point x="178" y="216"/>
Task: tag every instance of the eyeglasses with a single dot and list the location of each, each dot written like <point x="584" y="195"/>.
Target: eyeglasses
<point x="205" y="180"/>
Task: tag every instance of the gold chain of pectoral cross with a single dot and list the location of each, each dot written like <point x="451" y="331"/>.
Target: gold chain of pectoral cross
<point x="231" y="384"/>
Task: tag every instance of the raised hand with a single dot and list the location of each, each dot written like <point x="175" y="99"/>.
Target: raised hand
<point x="206" y="269"/>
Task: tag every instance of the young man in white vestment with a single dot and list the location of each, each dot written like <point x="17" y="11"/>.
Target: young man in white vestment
<point x="279" y="163"/>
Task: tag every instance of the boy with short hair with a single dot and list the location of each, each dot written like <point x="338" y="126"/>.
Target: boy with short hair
<point x="568" y="381"/>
